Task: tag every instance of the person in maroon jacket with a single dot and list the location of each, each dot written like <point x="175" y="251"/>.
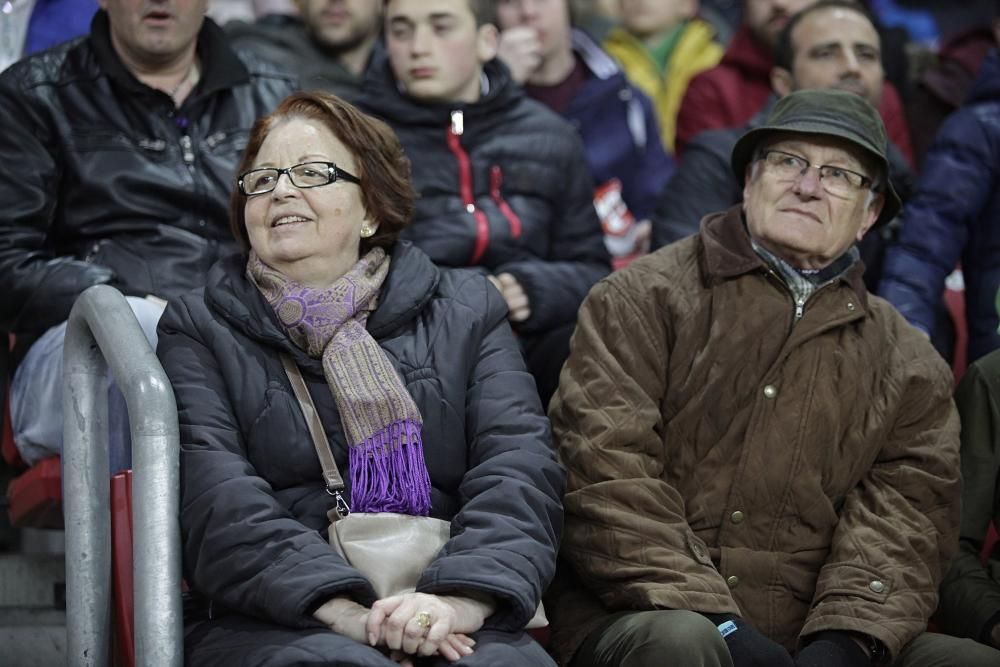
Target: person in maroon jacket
<point x="729" y="94"/>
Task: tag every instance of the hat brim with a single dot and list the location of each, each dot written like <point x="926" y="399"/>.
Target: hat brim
<point x="744" y="149"/>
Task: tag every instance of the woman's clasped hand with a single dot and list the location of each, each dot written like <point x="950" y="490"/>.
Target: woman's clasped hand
<point x="408" y="625"/>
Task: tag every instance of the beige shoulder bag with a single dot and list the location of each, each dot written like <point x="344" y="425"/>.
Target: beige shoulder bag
<point x="391" y="550"/>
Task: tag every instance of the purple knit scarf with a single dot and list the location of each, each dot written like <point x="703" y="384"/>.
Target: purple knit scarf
<point x="382" y="423"/>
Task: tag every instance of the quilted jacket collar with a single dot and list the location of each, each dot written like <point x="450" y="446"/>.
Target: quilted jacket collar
<point x="727" y="252"/>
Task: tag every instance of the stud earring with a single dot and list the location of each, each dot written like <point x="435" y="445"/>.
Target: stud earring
<point x="367" y="231"/>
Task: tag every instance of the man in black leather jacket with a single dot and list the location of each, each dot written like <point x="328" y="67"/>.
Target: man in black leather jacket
<point x="119" y="150"/>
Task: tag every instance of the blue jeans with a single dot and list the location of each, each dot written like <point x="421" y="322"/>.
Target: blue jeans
<point x="36" y="396"/>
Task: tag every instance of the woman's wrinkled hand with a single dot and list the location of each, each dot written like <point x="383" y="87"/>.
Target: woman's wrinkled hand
<point x="423" y="624"/>
<point x="345" y="617"/>
<point x="453" y="649"/>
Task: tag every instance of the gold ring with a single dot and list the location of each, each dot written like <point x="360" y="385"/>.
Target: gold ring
<point x="423" y="619"/>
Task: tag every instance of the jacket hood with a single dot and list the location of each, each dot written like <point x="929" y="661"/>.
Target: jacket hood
<point x="596" y="59"/>
<point x="987" y="85"/>
<point x="381" y="94"/>
<point x="410" y="284"/>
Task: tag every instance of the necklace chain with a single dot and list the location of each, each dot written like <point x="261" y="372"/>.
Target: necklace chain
<point x="191" y="71"/>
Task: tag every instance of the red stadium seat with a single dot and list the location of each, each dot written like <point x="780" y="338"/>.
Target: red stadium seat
<point x="121" y="570"/>
<point x="35" y="497"/>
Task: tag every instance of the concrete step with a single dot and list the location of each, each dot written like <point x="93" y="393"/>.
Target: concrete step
<point x="32" y="581"/>
<point x="33" y="601"/>
<point x="33" y="637"/>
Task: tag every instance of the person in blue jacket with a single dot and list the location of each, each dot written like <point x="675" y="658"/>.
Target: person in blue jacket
<point x="565" y="69"/>
<point x="955" y="217"/>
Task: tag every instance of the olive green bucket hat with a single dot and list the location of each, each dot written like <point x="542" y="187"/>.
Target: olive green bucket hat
<point x="832" y="113"/>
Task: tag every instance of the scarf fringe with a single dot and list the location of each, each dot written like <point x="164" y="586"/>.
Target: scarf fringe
<point x="388" y="473"/>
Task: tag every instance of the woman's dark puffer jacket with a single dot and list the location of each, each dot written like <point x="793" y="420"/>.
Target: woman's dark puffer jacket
<point x="253" y="503"/>
<point x="503" y="184"/>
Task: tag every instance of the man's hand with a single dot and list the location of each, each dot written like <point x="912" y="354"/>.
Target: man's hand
<point x="423" y="624"/>
<point x="521" y="51"/>
<point x="835" y="649"/>
<point x="513" y="294"/>
<point x="747" y="646"/>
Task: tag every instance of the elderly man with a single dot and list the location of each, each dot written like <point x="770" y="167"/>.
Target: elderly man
<point x="762" y="458"/>
<point x="119" y="152"/>
<point x="330" y="46"/>
<point x="729" y="94"/>
<point x="831" y="44"/>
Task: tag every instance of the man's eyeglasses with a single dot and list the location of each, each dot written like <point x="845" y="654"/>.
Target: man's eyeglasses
<point x="305" y="175"/>
<point x="838" y="181"/>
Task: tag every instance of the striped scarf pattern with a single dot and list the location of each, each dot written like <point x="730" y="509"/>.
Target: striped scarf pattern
<point x="382" y="423"/>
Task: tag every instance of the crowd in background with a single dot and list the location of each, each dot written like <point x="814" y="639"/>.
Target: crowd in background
<point x="546" y="153"/>
<point x="712" y="73"/>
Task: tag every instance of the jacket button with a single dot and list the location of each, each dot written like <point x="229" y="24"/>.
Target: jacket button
<point x="876" y="586"/>
<point x="471" y="208"/>
<point x="732" y="581"/>
<point x="737" y="517"/>
<point x="770" y="391"/>
<point x="850" y="305"/>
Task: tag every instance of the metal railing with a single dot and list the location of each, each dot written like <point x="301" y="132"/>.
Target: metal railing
<point x="103" y="332"/>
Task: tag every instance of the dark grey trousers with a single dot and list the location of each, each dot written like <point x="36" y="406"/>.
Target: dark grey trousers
<point x="688" y="639"/>
<point x="240" y="641"/>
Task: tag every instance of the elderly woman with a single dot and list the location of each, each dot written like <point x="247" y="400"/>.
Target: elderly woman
<point x="385" y="341"/>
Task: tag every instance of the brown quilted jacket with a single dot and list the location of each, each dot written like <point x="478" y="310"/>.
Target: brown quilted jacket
<point x="724" y="456"/>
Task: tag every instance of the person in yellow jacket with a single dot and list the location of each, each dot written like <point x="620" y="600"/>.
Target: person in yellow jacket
<point x="662" y="45"/>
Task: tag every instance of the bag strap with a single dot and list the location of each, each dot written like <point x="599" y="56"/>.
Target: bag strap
<point x="331" y="474"/>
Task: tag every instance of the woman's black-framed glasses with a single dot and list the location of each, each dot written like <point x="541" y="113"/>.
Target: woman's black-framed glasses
<point x="305" y="175"/>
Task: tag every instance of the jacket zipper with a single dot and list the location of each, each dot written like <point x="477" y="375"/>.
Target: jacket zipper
<point x="188" y="150"/>
<point x="496" y="180"/>
<point x="455" y="131"/>
<point x="799" y="301"/>
<point x="800" y="306"/>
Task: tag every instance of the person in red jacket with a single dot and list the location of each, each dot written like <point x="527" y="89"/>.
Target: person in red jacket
<point x="729" y="94"/>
